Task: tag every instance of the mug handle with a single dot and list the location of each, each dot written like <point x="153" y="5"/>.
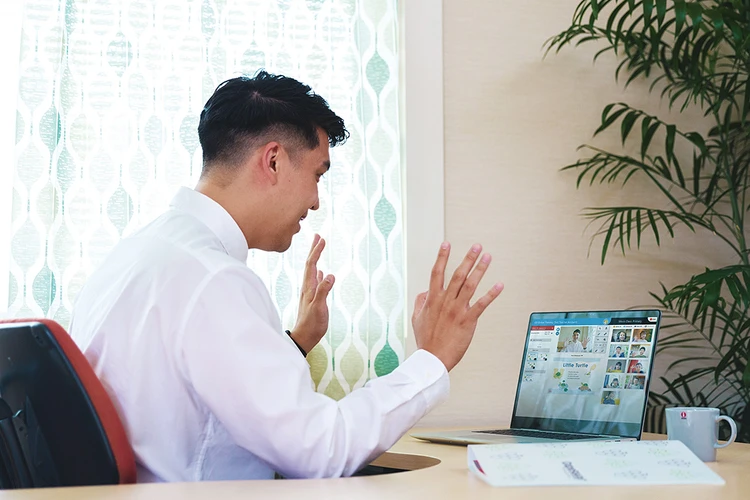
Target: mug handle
<point x="733" y="427"/>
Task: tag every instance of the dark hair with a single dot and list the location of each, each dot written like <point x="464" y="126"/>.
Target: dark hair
<point x="577" y="330"/>
<point x="245" y="110"/>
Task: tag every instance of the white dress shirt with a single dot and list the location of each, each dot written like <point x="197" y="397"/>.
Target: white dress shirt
<point x="187" y="342"/>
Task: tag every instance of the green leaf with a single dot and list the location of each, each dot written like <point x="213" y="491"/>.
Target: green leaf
<point x="627" y="125"/>
<point x="655" y="229"/>
<point x="615" y="35"/>
<point x="629" y="227"/>
<point x="695" y="11"/>
<point x="669" y="141"/>
<point x="697" y="140"/>
<point x="607" y="118"/>
<point x="621" y="229"/>
<point x="716" y="17"/>
<point x="647" y="133"/>
<point x="639" y="227"/>
<point x="648" y="7"/>
<point x="661" y="10"/>
<point x="608" y="236"/>
<point x="666" y="222"/>
<point x="679" y="14"/>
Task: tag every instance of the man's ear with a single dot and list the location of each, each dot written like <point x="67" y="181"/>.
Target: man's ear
<point x="269" y="161"/>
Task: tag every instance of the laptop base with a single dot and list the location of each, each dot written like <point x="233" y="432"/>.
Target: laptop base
<point x="466" y="437"/>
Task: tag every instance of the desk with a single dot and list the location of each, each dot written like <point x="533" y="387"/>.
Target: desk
<point x="448" y="479"/>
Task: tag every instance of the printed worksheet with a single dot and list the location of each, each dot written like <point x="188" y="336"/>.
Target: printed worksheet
<point x="593" y="463"/>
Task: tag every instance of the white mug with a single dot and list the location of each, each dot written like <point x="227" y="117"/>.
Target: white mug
<point x="698" y="429"/>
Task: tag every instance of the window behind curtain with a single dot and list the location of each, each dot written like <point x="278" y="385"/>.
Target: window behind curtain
<point x="110" y="93"/>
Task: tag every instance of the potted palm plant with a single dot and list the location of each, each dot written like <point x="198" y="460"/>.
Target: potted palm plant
<point x="694" y="54"/>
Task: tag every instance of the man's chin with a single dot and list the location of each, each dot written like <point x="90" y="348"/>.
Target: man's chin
<point x="285" y="244"/>
<point x="279" y="246"/>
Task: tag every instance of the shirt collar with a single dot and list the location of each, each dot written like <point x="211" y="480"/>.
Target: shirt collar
<point x="215" y="217"/>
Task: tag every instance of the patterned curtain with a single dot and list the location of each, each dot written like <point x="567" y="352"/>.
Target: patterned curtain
<point x="109" y="98"/>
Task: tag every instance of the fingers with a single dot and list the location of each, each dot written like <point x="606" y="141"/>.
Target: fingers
<point x="472" y="282"/>
<point x="462" y="271"/>
<point x="316" y="239"/>
<point x="311" y="270"/>
<point x="437" y="276"/>
<point x="485" y="300"/>
<point x="419" y="303"/>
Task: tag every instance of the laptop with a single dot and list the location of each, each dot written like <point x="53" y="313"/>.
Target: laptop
<point x="584" y="376"/>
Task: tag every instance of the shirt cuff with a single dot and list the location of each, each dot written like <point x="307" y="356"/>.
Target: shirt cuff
<point x="429" y="372"/>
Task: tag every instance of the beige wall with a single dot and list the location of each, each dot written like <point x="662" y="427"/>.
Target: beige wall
<point x="512" y="120"/>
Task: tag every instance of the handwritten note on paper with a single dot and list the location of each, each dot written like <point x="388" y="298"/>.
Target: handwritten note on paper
<point x="589" y="463"/>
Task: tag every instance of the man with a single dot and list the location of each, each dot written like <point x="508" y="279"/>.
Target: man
<point x="187" y="341"/>
<point x="574" y="345"/>
<point x="618" y="352"/>
<point x="641" y="353"/>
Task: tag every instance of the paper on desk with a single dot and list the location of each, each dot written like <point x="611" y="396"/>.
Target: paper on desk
<point x="589" y="463"/>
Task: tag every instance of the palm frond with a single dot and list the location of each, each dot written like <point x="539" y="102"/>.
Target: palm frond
<point x="696" y="53"/>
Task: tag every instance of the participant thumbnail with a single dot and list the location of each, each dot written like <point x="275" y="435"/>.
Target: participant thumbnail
<point x="621" y="335"/>
<point x="618" y="350"/>
<point x="635" y="366"/>
<point x="642" y="334"/>
<point x="635" y="382"/>
<point x="610" y="398"/>
<point x="614" y="366"/>
<point x="613" y="381"/>
<point x="640" y="350"/>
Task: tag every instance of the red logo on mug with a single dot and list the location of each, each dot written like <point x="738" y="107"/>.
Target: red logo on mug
<point x="683" y="415"/>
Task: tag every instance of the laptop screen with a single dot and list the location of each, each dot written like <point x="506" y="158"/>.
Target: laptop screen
<point x="587" y="372"/>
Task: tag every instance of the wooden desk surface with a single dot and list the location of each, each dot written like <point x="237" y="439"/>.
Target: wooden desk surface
<point x="448" y="479"/>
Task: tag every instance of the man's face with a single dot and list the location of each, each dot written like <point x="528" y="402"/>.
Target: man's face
<point x="638" y="367"/>
<point x="642" y="350"/>
<point x="618" y="350"/>
<point x="298" y="191"/>
<point x="575" y="336"/>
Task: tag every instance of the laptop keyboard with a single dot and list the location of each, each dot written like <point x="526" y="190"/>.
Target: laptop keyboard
<point x="538" y="434"/>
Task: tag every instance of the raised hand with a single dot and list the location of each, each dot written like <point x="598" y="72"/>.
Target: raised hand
<point x="444" y="320"/>
<point x="312" y="319"/>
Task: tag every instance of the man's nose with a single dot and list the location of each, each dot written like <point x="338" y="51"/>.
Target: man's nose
<point x="316" y="205"/>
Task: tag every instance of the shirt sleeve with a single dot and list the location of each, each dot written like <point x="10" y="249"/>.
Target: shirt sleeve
<point x="253" y="379"/>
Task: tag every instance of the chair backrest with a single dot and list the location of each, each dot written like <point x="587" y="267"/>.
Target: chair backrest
<point x="66" y="426"/>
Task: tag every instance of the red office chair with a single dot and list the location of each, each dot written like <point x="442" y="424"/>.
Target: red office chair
<point x="58" y="426"/>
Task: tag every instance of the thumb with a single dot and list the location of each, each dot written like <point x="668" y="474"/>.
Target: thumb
<point x="419" y="302"/>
